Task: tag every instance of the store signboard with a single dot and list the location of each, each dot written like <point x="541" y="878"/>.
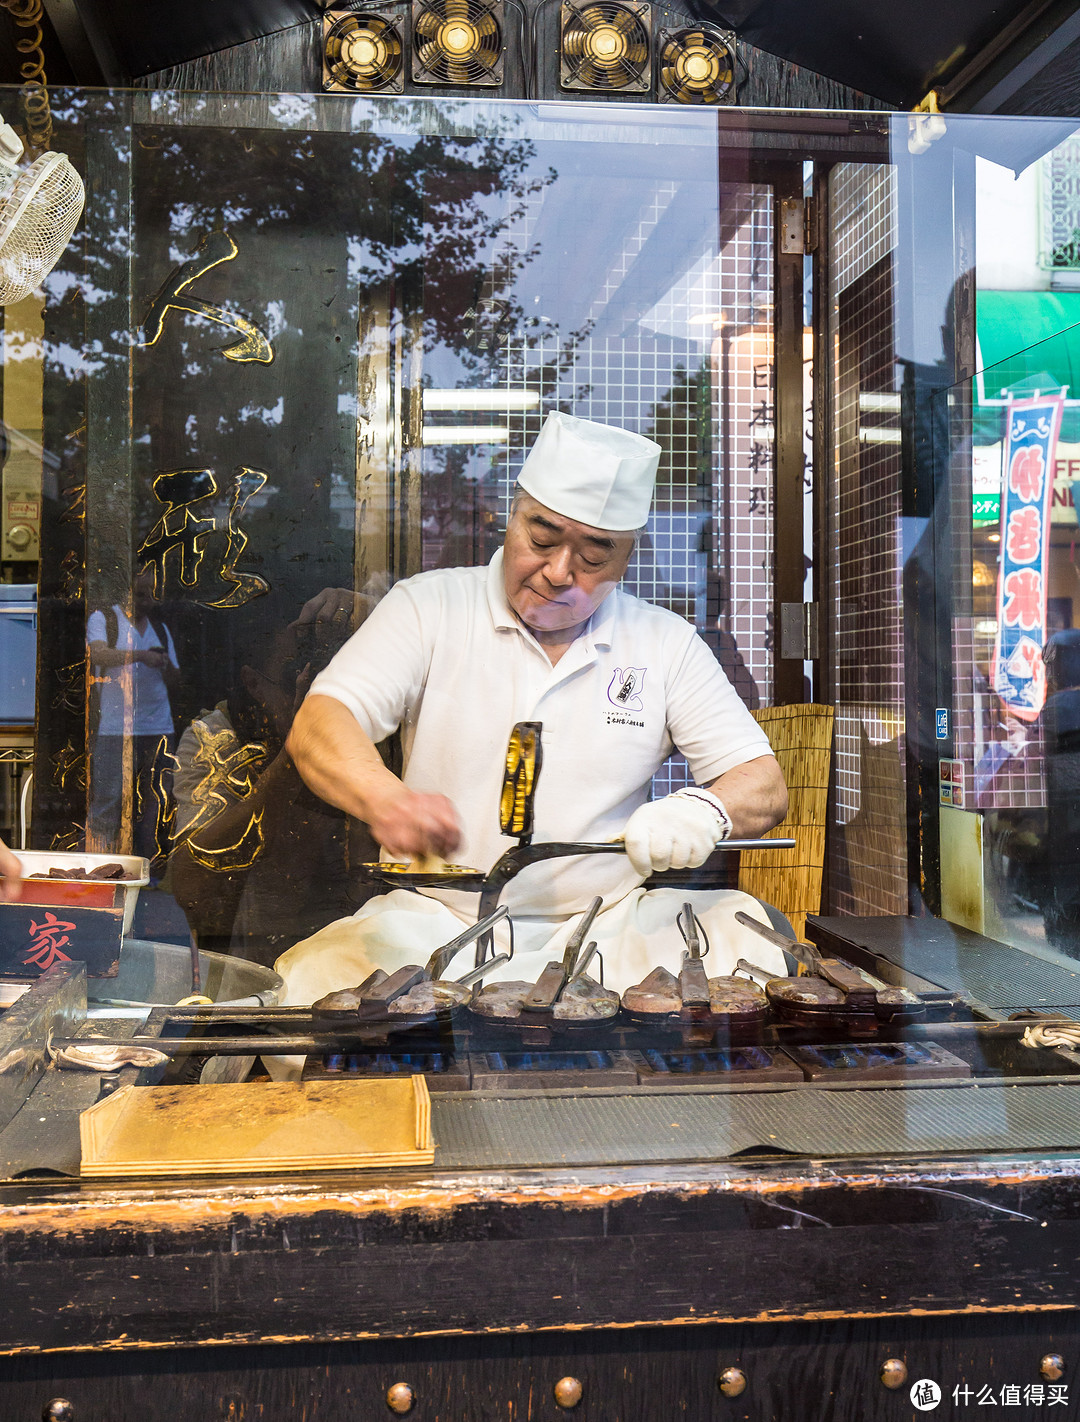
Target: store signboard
<point x="986" y="484"/>
<point x="1019" y="676"/>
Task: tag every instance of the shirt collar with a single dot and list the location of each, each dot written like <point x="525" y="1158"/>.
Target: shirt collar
<point x="598" y="630"/>
<point x="501" y="615"/>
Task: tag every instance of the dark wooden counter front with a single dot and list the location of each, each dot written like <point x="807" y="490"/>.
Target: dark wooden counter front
<point x="358" y="1258"/>
<point x="483" y="1291"/>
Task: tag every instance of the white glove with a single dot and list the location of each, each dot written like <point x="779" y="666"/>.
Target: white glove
<point x="678" y="832"/>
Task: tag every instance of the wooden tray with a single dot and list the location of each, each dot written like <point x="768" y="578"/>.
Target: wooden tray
<point x="249" y="1127"/>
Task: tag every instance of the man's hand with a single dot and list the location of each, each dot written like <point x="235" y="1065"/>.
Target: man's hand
<point x="678" y="832"/>
<point x="11" y="870"/>
<point x="154" y="657"/>
<point x="413" y="824"/>
<point x="682" y="830"/>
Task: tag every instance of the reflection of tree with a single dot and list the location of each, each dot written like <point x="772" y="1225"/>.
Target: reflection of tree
<point x="424" y="211"/>
<point x="453" y="200"/>
<point x="682" y="421"/>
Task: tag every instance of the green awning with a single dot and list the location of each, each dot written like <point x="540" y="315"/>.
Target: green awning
<point x="1027" y="333"/>
<point x="1028" y="341"/>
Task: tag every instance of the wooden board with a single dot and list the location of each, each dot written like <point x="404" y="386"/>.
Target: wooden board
<point x="247" y="1127"/>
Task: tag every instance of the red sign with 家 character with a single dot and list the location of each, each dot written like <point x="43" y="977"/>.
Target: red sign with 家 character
<point x="47" y="940"/>
<point x="35" y="937"/>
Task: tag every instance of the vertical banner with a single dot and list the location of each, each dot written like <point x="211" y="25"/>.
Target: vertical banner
<point x="1027" y="483"/>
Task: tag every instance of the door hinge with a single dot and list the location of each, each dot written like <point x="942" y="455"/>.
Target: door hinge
<point x="799" y="631"/>
<point x="792" y="221"/>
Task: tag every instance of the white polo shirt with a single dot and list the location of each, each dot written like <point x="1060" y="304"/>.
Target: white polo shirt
<point x="443" y="657"/>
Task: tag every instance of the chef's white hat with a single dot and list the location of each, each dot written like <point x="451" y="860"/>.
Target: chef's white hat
<point x="596" y="474"/>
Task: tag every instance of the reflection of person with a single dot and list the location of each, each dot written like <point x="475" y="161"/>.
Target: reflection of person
<point x="258" y="862"/>
<point x="10" y="875"/>
<point x="1061" y="730"/>
<point x="134" y="661"/>
<point x="456" y="657"/>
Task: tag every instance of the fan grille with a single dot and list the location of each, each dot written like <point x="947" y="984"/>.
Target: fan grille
<point x="696" y="66"/>
<point x="457" y="42"/>
<point x="605" y="45"/>
<point x="38" y="214"/>
<point x="363" y="52"/>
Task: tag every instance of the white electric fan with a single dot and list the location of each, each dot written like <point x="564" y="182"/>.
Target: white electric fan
<point x="39" y="208"/>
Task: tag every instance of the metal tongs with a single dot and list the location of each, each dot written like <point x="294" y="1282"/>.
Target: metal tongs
<point x="693" y="979"/>
<point x="539" y="1004"/>
<point x="380" y="988"/>
<point x="862" y="991"/>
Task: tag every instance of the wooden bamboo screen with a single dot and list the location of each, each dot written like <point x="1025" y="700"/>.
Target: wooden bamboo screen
<point x="790" y="879"/>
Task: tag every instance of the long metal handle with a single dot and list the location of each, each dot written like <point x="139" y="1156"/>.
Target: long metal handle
<point x="583" y="962"/>
<point x="474" y="975"/>
<point x="440" y="959"/>
<point x="803" y="953"/>
<point x="752" y="970"/>
<point x="577" y="938"/>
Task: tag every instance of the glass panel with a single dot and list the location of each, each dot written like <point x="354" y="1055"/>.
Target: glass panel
<point x="1014" y="434"/>
<point x="279" y="394"/>
<point x="296" y="356"/>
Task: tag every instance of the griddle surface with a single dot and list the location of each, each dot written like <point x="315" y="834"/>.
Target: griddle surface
<point x="536" y="1131"/>
<point x="1006" y="979"/>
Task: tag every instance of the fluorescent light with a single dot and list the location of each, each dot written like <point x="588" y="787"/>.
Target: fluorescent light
<point x="480" y="399"/>
<point x="880" y="434"/>
<point x="466" y="434"/>
<point x="879" y="400"/>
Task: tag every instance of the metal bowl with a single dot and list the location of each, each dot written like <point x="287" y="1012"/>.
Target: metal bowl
<point x="159" y="975"/>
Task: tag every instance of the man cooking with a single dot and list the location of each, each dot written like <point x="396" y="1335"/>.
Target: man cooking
<point x="455" y="657"/>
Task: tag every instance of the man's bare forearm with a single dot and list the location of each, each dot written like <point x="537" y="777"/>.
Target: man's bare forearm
<point x="338" y="760"/>
<point x="754" y="795"/>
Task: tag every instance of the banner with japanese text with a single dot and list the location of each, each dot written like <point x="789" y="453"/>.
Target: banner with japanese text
<point x="1019" y="676"/>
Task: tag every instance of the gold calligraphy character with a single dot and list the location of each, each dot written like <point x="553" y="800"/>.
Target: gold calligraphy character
<point x="190" y="518"/>
<point x="213" y="249"/>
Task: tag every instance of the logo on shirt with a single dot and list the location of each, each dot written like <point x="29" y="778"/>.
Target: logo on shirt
<point x="625" y="688"/>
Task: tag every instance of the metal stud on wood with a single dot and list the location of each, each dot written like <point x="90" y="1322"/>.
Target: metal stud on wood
<point x="894" y="1372"/>
<point x="400" y="1398"/>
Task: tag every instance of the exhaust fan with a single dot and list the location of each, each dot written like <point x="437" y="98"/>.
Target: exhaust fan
<point x="605" y="46"/>
<point x="458" y="42"/>
<point x="363" y="51"/>
<point x="696" y="65"/>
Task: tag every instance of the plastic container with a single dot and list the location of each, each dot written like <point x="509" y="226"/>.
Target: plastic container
<point x="18" y="652"/>
<point x="84" y="893"/>
<point x="159" y="975"/>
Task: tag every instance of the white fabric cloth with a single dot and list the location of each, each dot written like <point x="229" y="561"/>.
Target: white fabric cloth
<point x="635" y="935"/>
<point x="596" y="474"/>
<point x="443" y="657"/>
<point x="152" y="714"/>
